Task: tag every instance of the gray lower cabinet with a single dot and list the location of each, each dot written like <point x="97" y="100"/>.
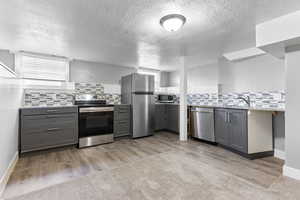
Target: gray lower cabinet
<point x="231" y="129"/>
<point x="238" y="133"/>
<point x="160" y="117"/>
<point x="43" y="128"/>
<point x="122" y="116"/>
<point x="172" y="118"/>
<point x="167" y="117"/>
<point x="221" y="127"/>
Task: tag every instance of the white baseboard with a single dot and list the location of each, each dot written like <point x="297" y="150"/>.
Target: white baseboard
<point x="4" y="179"/>
<point x="279" y="154"/>
<point x="291" y="172"/>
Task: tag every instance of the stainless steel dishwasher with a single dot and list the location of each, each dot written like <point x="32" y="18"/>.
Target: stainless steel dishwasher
<point x="202" y="123"/>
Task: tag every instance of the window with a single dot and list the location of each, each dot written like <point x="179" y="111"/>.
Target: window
<point x="41" y="67"/>
<point x="155" y="73"/>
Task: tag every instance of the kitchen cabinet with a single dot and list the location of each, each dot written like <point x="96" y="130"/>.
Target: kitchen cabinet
<point x="221" y="127"/>
<point x="172" y="118"/>
<point x="164" y="79"/>
<point x="122" y="116"/>
<point x="160" y="117"/>
<point x="167" y="117"/>
<point x="246" y="132"/>
<point x="44" y="128"/>
<point x="231" y="128"/>
<point x="237" y="120"/>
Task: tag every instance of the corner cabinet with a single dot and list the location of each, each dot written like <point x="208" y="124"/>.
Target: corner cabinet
<point x="167" y="117"/>
<point x="44" y="128"/>
<point x="246" y="132"/>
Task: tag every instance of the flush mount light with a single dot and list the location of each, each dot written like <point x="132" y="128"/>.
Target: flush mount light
<point x="172" y="22"/>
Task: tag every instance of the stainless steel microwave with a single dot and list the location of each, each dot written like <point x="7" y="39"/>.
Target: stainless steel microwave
<point x="165" y="98"/>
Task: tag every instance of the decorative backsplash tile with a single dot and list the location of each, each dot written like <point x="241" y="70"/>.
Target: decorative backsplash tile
<point x="97" y="90"/>
<point x="203" y="99"/>
<point x="89" y="88"/>
<point x="37" y="97"/>
<point x="51" y="97"/>
<point x="273" y="99"/>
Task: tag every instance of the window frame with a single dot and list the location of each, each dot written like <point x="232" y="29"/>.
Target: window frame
<point x="19" y="65"/>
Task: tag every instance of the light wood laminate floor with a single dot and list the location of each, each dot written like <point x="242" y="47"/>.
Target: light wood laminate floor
<point x="157" y="167"/>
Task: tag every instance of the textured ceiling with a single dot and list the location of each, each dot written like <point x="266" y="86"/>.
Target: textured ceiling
<point x="127" y="32"/>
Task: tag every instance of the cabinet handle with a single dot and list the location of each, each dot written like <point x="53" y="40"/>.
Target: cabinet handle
<point x="229" y="118"/>
<point x="123" y="111"/>
<point x="53" y="129"/>
<point x="51" y="111"/>
<point x="226" y="116"/>
<point x="51" y="117"/>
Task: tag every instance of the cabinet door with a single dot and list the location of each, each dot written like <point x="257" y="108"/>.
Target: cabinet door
<point x="172" y="114"/>
<point x="175" y="118"/>
<point x="160" y="117"/>
<point x="221" y="127"/>
<point x="238" y="130"/>
<point x="164" y="79"/>
<point x="47" y="131"/>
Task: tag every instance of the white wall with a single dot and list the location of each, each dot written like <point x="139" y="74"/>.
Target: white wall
<point x="292" y="125"/>
<point x="7" y="58"/>
<point x="84" y="71"/>
<point x="262" y="73"/>
<point x="203" y="79"/>
<point x="11" y="95"/>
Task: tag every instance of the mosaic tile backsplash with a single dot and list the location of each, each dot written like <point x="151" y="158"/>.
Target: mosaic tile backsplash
<point x="273" y="99"/>
<point x="96" y="89"/>
<point x="48" y="97"/>
<point x="88" y="88"/>
<point x="35" y="97"/>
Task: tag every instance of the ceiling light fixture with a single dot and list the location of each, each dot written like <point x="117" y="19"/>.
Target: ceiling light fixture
<point x="172" y="22"/>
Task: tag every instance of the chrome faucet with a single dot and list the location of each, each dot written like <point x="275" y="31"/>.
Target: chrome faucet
<point x="247" y="99"/>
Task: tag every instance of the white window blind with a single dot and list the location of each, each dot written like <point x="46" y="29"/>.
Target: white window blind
<point x="43" y="67"/>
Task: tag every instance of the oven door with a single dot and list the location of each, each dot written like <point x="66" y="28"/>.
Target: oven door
<point x="94" y="121"/>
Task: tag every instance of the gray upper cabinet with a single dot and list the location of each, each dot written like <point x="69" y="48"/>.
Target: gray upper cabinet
<point x="122" y="117"/>
<point x="43" y="128"/>
<point x="221" y="129"/>
<point x="169" y="79"/>
<point x="164" y="79"/>
<point x="231" y="129"/>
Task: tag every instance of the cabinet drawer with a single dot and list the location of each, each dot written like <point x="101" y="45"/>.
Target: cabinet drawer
<point x="47" y="111"/>
<point x="122" y="108"/>
<point x="46" y="139"/>
<point x="40" y="123"/>
<point x="123" y="116"/>
<point x="122" y="126"/>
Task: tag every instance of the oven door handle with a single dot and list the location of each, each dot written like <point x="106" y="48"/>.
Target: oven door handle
<point x="96" y="109"/>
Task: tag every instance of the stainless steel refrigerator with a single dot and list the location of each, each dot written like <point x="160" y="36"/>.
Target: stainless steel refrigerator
<point x="138" y="91"/>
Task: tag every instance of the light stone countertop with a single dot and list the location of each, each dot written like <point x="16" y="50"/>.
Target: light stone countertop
<point x="54" y="106"/>
<point x="241" y="107"/>
<point x="232" y="107"/>
<point x="63" y="106"/>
